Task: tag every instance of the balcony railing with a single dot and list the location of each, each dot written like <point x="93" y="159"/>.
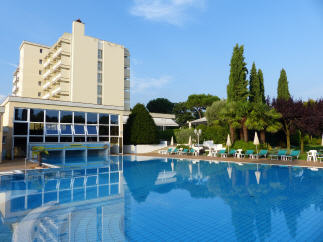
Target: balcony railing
<point x="126" y="83"/>
<point x="126" y="52"/>
<point x="126" y="73"/>
<point x="57" y="53"/>
<point x="15" y="79"/>
<point x="46" y="96"/>
<point x="56" y="91"/>
<point x="126" y="62"/>
<point x="56" y="78"/>
<point x="47" y="63"/>
<point x="46" y="85"/>
<point x="46" y="74"/>
<point x="14" y="89"/>
<point x="57" y="65"/>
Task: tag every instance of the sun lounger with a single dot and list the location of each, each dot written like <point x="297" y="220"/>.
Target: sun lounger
<point x="248" y="153"/>
<point x="279" y="155"/>
<point x="174" y="151"/>
<point x="262" y="153"/>
<point x="221" y="153"/>
<point x="294" y="154"/>
<point x="183" y="152"/>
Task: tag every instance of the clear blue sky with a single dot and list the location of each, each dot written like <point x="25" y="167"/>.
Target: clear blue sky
<point x="181" y="47"/>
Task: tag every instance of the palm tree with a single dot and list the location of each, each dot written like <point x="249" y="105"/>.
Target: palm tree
<point x="39" y="151"/>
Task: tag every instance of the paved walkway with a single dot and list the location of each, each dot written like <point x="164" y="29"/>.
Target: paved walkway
<point x="242" y="160"/>
<point x="19" y="164"/>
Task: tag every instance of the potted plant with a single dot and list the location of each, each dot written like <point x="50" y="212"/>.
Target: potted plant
<point x="39" y="151"/>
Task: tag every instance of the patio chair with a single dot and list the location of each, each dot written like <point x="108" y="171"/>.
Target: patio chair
<point x="279" y="155"/>
<point x="192" y="152"/>
<point x="231" y="153"/>
<point x="294" y="154"/>
<point x="320" y="156"/>
<point x="174" y="151"/>
<point x="248" y="153"/>
<point x="184" y="152"/>
<point x="169" y="151"/>
<point x="221" y="152"/>
<point x="262" y="153"/>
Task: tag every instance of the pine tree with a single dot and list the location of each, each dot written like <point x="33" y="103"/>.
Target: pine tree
<point x="262" y="87"/>
<point x="140" y="127"/>
<point x="237" y="89"/>
<point x="254" y="86"/>
<point x="282" y="90"/>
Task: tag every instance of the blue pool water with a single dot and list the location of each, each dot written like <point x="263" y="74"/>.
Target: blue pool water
<point x="163" y="199"/>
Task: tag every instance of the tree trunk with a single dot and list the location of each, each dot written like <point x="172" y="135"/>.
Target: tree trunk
<point x="288" y="139"/>
<point x="241" y="134"/>
<point x="263" y="136"/>
<point x="302" y="142"/>
<point x="40" y="163"/>
<point x="232" y="134"/>
<point x="244" y="129"/>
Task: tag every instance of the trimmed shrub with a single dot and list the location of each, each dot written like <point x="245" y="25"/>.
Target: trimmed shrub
<point x="140" y="127"/>
<point x="166" y="134"/>
<point x="214" y="132"/>
<point x="183" y="135"/>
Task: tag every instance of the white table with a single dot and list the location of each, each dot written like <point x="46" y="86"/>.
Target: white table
<point x="239" y="154"/>
<point x="312" y="155"/>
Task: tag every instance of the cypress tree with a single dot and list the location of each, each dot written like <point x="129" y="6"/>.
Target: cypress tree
<point x="262" y="87"/>
<point x="140" y="127"/>
<point x="237" y="89"/>
<point x="282" y="90"/>
<point x="254" y="86"/>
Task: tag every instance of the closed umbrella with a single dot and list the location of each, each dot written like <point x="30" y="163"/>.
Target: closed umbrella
<point x="322" y="141"/>
<point x="172" y="141"/>
<point x="256" y="141"/>
<point x="228" y="142"/>
<point x="257" y="174"/>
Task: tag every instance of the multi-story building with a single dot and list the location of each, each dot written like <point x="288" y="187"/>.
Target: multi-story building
<point x="77" y="68"/>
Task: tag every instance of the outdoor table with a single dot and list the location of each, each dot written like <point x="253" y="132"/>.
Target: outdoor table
<point x="239" y="154"/>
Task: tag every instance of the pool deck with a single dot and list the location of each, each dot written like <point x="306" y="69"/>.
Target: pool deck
<point x="301" y="163"/>
<point x="19" y="164"/>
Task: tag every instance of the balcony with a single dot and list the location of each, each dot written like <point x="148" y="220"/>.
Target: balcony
<point x="126" y="73"/>
<point x="56" y="91"/>
<point x="126" y="52"/>
<point x="57" y="65"/>
<point x="46" y="85"/>
<point x="15" y="79"/>
<point x="46" y="96"/>
<point x="126" y="95"/>
<point x="14" y="89"/>
<point x="46" y="74"/>
<point x="56" y="78"/>
<point x="47" y="63"/>
<point x="127" y="83"/>
<point x="57" y="53"/>
<point x="126" y="62"/>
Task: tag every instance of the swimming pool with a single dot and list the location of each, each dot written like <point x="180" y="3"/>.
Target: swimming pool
<point x="163" y="199"/>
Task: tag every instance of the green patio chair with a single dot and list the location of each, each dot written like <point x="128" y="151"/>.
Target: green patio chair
<point x="262" y="153"/>
<point x="220" y="153"/>
<point x="184" y="152"/>
<point x="174" y="151"/>
<point x="279" y="155"/>
<point x="249" y="153"/>
<point x="169" y="151"/>
<point x="294" y="154"/>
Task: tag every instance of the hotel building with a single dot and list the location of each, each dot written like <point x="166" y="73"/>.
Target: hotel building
<point x="77" y="90"/>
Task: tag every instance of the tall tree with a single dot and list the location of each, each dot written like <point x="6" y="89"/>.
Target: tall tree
<point x="262" y="87"/>
<point x="254" y="86"/>
<point x="289" y="109"/>
<point x="160" y="105"/>
<point x="140" y="127"/>
<point x="182" y="113"/>
<point x="237" y="89"/>
<point x="199" y="102"/>
<point x="282" y="90"/>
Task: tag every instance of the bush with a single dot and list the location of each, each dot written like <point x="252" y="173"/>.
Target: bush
<point x="214" y="132"/>
<point x="183" y="135"/>
<point x="166" y="134"/>
<point x="240" y="144"/>
<point x="183" y="147"/>
<point x="140" y="127"/>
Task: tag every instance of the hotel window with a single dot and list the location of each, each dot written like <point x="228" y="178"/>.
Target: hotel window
<point x="79" y="129"/>
<point x="66" y="117"/>
<point x="99" y="90"/>
<point x="40" y="61"/>
<point x="99" y="100"/>
<point x="41" y="50"/>
<point x="103" y="130"/>
<point x="39" y="83"/>
<point x="52" y="116"/>
<point x="114" y="130"/>
<point x="66" y="139"/>
<point x="66" y="129"/>
<point x="20" y="128"/>
<point x="104" y="118"/>
<point x="114" y="119"/>
<point x="92" y="130"/>
<point x="36" y="139"/>
<point x="51" y="129"/>
<point x="21" y="114"/>
<point x="39" y="72"/>
<point x="39" y="94"/>
<point x="99" y="77"/>
<point x="99" y="65"/>
<point x="36" y="129"/>
<point x="100" y="54"/>
<point x="91" y="118"/>
<point x="36" y="115"/>
<point x="79" y="139"/>
<point x="79" y="117"/>
<point x="51" y="139"/>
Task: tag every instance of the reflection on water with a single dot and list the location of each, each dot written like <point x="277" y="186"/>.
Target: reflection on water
<point x="163" y="199"/>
